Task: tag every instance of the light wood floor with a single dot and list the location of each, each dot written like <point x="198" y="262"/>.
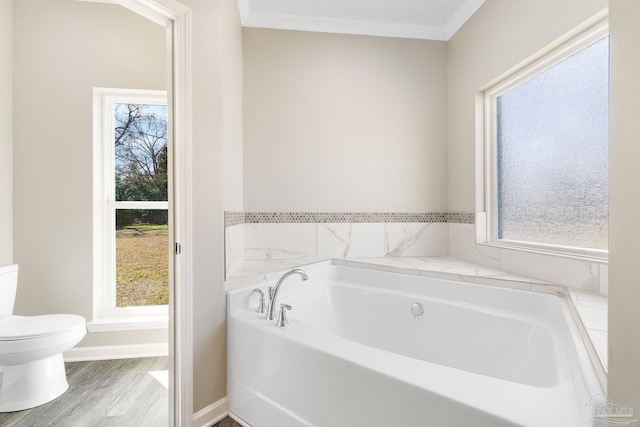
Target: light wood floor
<point x="227" y="422"/>
<point x="118" y="393"/>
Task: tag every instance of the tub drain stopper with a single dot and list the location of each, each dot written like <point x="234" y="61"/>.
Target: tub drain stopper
<point x="417" y="309"/>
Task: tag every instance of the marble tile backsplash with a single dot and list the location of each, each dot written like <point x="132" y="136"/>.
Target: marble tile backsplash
<point x="340" y="240"/>
<point x="585" y="275"/>
<point x="233" y="248"/>
<point x="250" y="237"/>
<point x="333" y="240"/>
<point x="417" y="239"/>
<point x="291" y="235"/>
<point x="279" y="241"/>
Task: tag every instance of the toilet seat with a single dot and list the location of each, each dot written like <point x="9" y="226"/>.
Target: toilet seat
<point x="28" y="338"/>
<point x="15" y="328"/>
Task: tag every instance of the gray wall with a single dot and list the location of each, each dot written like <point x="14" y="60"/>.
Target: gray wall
<point x="497" y="39"/>
<point x="500" y="35"/>
<point x="343" y="123"/>
<point x="64" y="48"/>
<point x="217" y="44"/>
<point x="6" y="132"/>
<point x="232" y="114"/>
<point x="52" y="211"/>
<point x="624" y="205"/>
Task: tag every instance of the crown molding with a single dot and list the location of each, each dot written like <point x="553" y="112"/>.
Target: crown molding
<point x="326" y="24"/>
<point x="461" y="16"/>
<point x="322" y="24"/>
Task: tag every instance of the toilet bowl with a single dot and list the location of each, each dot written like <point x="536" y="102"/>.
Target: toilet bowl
<point x="31" y="367"/>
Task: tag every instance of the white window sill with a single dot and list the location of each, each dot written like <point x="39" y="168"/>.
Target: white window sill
<point x="601" y="257"/>
<point x="129" y="323"/>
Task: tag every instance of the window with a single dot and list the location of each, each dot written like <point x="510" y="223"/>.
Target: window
<point x="131" y="205"/>
<point x="546" y="142"/>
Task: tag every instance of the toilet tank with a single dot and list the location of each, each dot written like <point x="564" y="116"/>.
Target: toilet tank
<point x="8" y="286"/>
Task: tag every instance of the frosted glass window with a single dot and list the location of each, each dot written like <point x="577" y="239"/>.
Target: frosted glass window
<point x="552" y="154"/>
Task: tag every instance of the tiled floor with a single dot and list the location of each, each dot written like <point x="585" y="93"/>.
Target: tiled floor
<point x="119" y="393"/>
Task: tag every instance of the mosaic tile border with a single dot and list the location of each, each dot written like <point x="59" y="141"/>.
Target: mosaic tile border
<point x="461" y="217"/>
<point x="235" y="218"/>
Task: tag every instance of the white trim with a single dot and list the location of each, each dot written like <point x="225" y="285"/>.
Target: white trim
<point x="244" y="8"/>
<point x="597" y="19"/>
<point x="462" y="15"/>
<point x="113" y="352"/>
<point x="324" y="24"/>
<point x="142" y="205"/>
<point x="549" y="58"/>
<point x="105" y="205"/>
<point x="136" y="96"/>
<point x="368" y="27"/>
<point x="142" y="9"/>
<point x="135" y="323"/>
<point x="181" y="284"/>
<point x="181" y="293"/>
<point x="589" y="255"/>
<point x="481" y="113"/>
<point x="211" y="414"/>
<point x="162" y="12"/>
<point x="592" y="31"/>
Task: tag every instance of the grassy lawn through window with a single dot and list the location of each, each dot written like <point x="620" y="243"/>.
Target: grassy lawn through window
<point x="142" y="265"/>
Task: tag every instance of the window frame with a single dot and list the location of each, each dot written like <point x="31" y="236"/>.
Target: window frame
<point x="488" y="221"/>
<point x="106" y="315"/>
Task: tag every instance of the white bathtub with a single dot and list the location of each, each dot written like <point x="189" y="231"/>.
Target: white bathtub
<point x="354" y="354"/>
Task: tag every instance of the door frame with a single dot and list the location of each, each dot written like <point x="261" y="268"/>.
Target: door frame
<point x="176" y="18"/>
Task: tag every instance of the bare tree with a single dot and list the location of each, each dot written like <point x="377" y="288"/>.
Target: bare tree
<point x="140" y="152"/>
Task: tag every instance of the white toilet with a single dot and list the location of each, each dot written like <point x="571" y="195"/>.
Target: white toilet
<point x="31" y="367"/>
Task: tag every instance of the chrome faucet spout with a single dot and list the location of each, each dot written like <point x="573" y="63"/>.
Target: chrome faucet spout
<point x="273" y="294"/>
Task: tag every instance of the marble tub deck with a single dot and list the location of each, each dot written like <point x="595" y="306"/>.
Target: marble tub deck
<point x="443" y="267"/>
<point x="589" y="311"/>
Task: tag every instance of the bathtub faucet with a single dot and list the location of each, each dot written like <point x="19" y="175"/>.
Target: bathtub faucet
<point x="273" y="292"/>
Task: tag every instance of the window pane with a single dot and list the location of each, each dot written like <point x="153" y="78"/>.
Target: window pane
<point x="142" y="257"/>
<point x="140" y="152"/>
<point x="552" y="146"/>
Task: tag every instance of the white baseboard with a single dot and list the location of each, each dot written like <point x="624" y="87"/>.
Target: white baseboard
<point x="108" y="352"/>
<point x="208" y="416"/>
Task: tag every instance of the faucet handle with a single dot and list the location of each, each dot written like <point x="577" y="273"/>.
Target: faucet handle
<point x="261" y="307"/>
<point x="282" y="316"/>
